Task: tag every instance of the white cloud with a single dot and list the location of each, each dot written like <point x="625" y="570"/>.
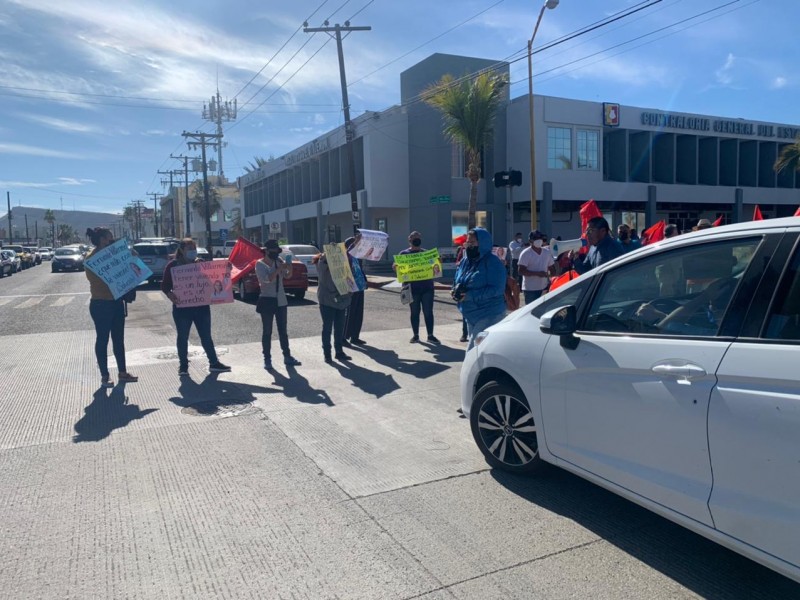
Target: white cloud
<point x="724" y="74"/>
<point x="62" y="125"/>
<point x="155" y="132"/>
<point x="24" y="184"/>
<point x="6" y="148"/>
<point x="74" y="181"/>
<point x="778" y="83"/>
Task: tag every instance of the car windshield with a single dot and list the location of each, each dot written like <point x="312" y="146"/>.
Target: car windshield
<point x="152" y="250"/>
<point x="67" y="251"/>
<point x="300" y="250"/>
<point x="14" y="248"/>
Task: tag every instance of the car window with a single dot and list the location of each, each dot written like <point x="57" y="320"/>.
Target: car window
<point x="685" y="291"/>
<point x="299" y="249"/>
<point x="148" y="250"/>
<point x="67" y="251"/>
<point x="783" y="322"/>
<point x="572" y="297"/>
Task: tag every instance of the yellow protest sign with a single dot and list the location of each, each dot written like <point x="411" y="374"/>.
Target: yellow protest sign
<point x="418" y="266"/>
<point x="339" y="266"/>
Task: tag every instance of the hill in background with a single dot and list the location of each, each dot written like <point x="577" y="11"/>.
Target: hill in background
<point x="79" y="220"/>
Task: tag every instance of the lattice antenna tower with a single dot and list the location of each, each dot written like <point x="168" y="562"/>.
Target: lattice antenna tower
<point x="219" y="112"/>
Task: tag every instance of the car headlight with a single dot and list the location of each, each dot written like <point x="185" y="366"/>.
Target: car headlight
<point x="480" y="337"/>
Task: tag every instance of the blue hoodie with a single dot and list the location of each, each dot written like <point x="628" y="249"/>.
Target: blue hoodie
<point x="483" y="280"/>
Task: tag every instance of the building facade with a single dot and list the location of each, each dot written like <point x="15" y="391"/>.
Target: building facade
<point x="640" y="165"/>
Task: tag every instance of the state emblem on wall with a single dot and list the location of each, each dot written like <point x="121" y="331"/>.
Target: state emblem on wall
<point x="610" y="114"/>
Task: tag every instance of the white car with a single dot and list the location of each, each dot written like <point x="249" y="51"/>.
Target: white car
<point x="668" y="376"/>
<point x="304" y="253"/>
<point x="46" y="253"/>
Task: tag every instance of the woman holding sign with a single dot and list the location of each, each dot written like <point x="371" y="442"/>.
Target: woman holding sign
<point x="332" y="309"/>
<point x="422" y="294"/>
<point x="184" y="317"/>
<point x="272" y="303"/>
<point x="108" y="315"/>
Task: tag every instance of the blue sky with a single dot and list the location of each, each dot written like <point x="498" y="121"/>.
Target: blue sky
<point x="95" y="94"/>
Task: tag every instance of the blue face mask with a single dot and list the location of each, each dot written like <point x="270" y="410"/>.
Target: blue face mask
<point x="191" y="255"/>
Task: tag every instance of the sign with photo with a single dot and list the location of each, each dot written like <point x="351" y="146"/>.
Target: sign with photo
<point x="371" y="246"/>
<point x="118" y="268"/>
<point x="418" y="266"/>
<point x="202" y="283"/>
<point x="339" y="266"/>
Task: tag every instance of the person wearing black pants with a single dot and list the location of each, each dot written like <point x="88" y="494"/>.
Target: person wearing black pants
<point x="355" y="312"/>
<point x="422" y="294"/>
<point x="332" y="309"/>
<point x="108" y="316"/>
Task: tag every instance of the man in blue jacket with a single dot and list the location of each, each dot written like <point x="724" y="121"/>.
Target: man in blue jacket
<point x="480" y="284"/>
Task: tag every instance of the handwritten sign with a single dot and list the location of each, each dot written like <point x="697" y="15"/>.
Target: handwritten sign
<point x="371" y="246"/>
<point x="339" y="266"/>
<point x="118" y="268"/>
<point x="418" y="266"/>
<point x="202" y="283"/>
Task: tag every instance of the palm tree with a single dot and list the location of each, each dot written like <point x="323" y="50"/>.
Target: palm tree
<point x="789" y="157"/>
<point x="50" y="218"/>
<point x="469" y="107"/>
<point x="255" y="164"/>
<point x="199" y="202"/>
<point x="65" y="233"/>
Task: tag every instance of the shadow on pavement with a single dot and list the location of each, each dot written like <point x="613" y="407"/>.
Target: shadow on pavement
<point x="444" y="354"/>
<point x="367" y="380"/>
<point x="701" y="565"/>
<point x="214" y="391"/>
<point x="108" y="411"/>
<point x="297" y="386"/>
<point x="421" y="369"/>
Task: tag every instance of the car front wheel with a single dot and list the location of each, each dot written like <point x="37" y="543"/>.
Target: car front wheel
<point x="503" y="427"/>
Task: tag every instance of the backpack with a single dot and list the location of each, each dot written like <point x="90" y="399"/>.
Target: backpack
<point x="511" y="293"/>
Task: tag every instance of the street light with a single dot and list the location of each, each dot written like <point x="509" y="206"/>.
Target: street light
<point x="534" y="219"/>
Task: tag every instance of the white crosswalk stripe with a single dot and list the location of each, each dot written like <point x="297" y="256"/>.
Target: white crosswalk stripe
<point x="63" y="300"/>
<point x="33" y="301"/>
<point x="5" y="301"/>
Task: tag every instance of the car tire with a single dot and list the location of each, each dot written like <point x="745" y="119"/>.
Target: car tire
<point x="218" y="254"/>
<point x="504" y="429"/>
<point x="300" y="295"/>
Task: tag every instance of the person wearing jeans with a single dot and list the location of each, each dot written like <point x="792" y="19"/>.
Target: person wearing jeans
<point x="332" y="309"/>
<point x="422" y="294"/>
<point x="184" y="317"/>
<point x="108" y="316"/>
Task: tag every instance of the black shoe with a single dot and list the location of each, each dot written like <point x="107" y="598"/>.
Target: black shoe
<point x="433" y="339"/>
<point x="358" y="341"/>
<point x="218" y="367"/>
<point x="268" y="364"/>
<point x="291" y="361"/>
<point x="342" y="356"/>
<point x="346" y="344"/>
<point x="328" y="359"/>
<point x="414" y="339"/>
<point x="463" y="338"/>
<point x="183" y="370"/>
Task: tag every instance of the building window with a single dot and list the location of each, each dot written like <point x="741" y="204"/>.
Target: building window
<point x="458" y="160"/>
<point x="559" y="148"/>
<point x="588" y="142"/>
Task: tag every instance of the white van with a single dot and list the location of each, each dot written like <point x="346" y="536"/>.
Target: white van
<point x="224" y="250"/>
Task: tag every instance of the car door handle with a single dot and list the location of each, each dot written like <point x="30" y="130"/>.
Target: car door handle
<point x="686" y="371"/>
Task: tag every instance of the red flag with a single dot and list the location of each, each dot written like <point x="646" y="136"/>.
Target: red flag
<point x="243" y="258"/>
<point x="653" y="234"/>
<point x="720" y="221"/>
<point x="557" y="282"/>
<point x="589" y="211"/>
<point x="757" y="216"/>
<point x="460" y="240"/>
<point x="797" y="212"/>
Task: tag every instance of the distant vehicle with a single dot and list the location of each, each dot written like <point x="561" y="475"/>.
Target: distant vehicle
<point x="202" y="254"/>
<point x="16" y="262"/>
<point x="68" y="258"/>
<point x="6" y="263"/>
<point x="156" y="255"/>
<point x="34" y="252"/>
<point x="46" y="252"/>
<point x="247" y="288"/>
<point x="25" y="257"/>
<point x="224" y="250"/>
<point x="304" y="253"/>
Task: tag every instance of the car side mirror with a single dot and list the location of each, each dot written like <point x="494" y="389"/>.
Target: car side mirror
<point x="563" y="323"/>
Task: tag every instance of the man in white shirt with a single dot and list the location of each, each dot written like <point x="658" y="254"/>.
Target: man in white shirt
<point x="516" y="247"/>
<point x="536" y="264"/>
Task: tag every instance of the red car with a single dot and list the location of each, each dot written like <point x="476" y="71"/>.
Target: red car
<point x="248" y="288"/>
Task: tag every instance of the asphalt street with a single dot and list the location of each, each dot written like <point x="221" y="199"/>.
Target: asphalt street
<point x="352" y="480"/>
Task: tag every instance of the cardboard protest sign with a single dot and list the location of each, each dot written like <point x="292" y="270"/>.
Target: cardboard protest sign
<point x="418" y="266"/>
<point x="371" y="246"/>
<point x="202" y="283"/>
<point x="500" y="252"/>
<point x="339" y="266"/>
<point x="118" y="268"/>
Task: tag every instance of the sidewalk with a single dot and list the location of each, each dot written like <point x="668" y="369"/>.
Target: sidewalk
<point x="379" y="281"/>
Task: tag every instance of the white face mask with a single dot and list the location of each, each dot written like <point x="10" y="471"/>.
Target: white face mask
<point x="537" y="243"/>
<point x="519" y="239"/>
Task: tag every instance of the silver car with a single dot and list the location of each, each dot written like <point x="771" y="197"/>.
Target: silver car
<point x="304" y="253"/>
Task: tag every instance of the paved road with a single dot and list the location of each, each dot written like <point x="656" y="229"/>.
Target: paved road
<point x="348" y="481"/>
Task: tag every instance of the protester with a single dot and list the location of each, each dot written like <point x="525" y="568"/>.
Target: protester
<point x="460" y="255"/>
<point x="515" y="247"/>
<point x="355" y="312"/>
<point x="702" y="224"/>
<point x="108" y="315"/>
<point x="536" y="264"/>
<point x="671" y="230"/>
<point x="272" y="303"/>
<point x="480" y="284"/>
<point x="184" y="317"/>
<point x="603" y="247"/>
<point x="625" y="239"/>
<point x="421" y="292"/>
<point x="332" y="309"/>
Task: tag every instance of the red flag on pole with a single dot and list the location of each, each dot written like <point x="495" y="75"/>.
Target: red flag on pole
<point x="460" y="240"/>
<point x="757" y="216"/>
<point x="243" y="258"/>
<point x="720" y="221"/>
<point x="653" y="234"/>
<point x="797" y="212"/>
<point x="589" y="210"/>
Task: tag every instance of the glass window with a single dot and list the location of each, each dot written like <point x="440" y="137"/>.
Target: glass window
<point x="588" y="142"/>
<point x="460" y="219"/>
<point x="570" y="297"/>
<point x="679" y="292"/>
<point x="559" y="148"/>
<point x="784" y="318"/>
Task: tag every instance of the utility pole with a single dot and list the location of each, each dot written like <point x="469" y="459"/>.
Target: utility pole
<point x="155" y="196"/>
<point x="36" y="231"/>
<point x="187" y="230"/>
<point x="174" y="203"/>
<point x="27" y="236"/>
<point x="217" y="112"/>
<point x="137" y="208"/>
<point x="202" y="141"/>
<point x="337" y="30"/>
<point x="10" y="231"/>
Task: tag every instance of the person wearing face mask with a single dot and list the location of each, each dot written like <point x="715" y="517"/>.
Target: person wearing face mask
<point x="536" y="264"/>
<point x="515" y="248"/>
<point x="272" y="303"/>
<point x="184" y="317"/>
<point x="625" y="240"/>
<point x="108" y="315"/>
<point x="479" y="285"/>
<point x="422" y="294"/>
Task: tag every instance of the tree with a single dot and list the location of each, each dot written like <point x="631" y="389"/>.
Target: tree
<point x="255" y="164"/>
<point x="199" y="202"/>
<point x="66" y="233"/>
<point x="129" y="216"/>
<point x="50" y="218"/>
<point x="236" y="225"/>
<point x="789" y="157"/>
<point x="469" y="107"/>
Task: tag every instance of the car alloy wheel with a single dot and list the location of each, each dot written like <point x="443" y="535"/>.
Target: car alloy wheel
<point x="504" y="428"/>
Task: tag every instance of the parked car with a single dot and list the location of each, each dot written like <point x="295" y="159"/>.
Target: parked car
<point x="16" y="262"/>
<point x="156" y="255"/>
<point x="25" y="257"/>
<point x="248" y="288"/>
<point x="6" y="263"/>
<point x="304" y="253"/>
<point x="666" y="376"/>
<point x="224" y="250"/>
<point x="68" y="258"/>
<point x="202" y="254"/>
<point x="34" y="252"/>
<point x="46" y="252"/>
